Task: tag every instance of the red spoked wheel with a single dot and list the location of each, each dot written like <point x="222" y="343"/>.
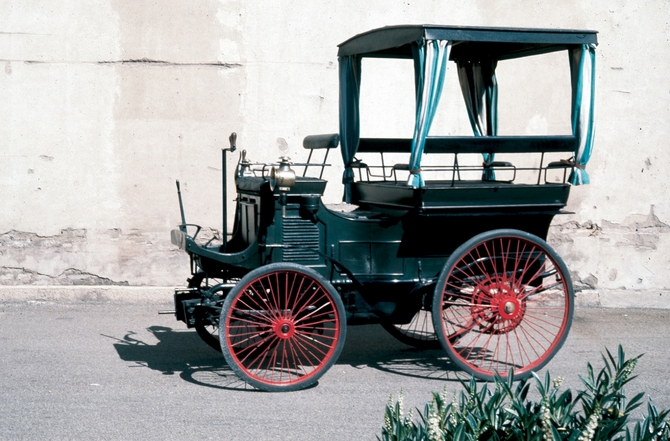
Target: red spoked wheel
<point x="504" y="300"/>
<point x="282" y="327"/>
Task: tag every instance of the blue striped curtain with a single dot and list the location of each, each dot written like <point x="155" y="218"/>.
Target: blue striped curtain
<point x="583" y="75"/>
<point x="430" y="67"/>
<point x="480" y="91"/>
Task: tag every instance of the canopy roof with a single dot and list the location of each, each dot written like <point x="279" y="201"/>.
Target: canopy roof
<point x="476" y="51"/>
<point x="473" y="43"/>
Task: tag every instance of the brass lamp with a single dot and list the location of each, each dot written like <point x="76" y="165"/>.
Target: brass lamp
<point x="282" y="178"/>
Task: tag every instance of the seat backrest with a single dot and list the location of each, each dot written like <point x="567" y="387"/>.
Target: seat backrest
<point x="319" y="142"/>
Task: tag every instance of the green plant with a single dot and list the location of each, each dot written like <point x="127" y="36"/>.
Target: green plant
<point x="502" y="411"/>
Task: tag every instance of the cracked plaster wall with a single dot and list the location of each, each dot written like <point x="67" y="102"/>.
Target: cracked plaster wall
<point x="629" y="255"/>
<point x="105" y="104"/>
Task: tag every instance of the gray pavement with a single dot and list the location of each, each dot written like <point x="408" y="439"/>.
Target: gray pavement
<point x="118" y="370"/>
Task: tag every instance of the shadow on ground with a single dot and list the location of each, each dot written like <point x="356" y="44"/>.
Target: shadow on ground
<point x="183" y="353"/>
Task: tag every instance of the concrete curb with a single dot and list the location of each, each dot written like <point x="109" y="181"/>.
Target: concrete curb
<point x="654" y="299"/>
<point x="87" y="293"/>
<point x="623" y="298"/>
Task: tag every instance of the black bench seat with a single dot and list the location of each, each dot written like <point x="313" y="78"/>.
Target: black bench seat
<point x="461" y="196"/>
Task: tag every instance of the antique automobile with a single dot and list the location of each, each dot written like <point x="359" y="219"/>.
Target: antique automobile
<point x="440" y="239"/>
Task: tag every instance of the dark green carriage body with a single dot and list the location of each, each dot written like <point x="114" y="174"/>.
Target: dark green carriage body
<point x="382" y="261"/>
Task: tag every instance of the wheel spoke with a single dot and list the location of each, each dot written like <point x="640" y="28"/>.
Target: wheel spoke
<point x="547" y="335"/>
<point x="311" y="344"/>
<point x="307" y="302"/>
<point x="419" y="332"/>
<point x="252" y="300"/>
<point x="256" y="347"/>
<point x="531" y="319"/>
<point x="273" y="305"/>
<point x="306" y="353"/>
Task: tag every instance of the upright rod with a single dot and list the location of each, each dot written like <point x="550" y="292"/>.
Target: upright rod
<point x="224" y="186"/>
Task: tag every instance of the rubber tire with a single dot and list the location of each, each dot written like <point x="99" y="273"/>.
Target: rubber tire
<point x="267" y="322"/>
<point x="211" y="338"/>
<point x="404" y="334"/>
<point x="524" y="310"/>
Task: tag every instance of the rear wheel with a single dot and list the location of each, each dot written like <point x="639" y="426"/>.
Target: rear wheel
<point x="419" y="332"/>
<point x="282" y="326"/>
<point x="504" y="300"/>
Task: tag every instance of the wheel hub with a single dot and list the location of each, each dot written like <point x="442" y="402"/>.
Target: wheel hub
<point x="509" y="308"/>
<point x="497" y="309"/>
<point x="284" y="329"/>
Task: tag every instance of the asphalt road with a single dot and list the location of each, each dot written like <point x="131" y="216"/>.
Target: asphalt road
<point x="121" y="371"/>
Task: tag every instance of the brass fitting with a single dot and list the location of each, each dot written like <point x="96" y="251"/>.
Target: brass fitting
<point x="282" y="178"/>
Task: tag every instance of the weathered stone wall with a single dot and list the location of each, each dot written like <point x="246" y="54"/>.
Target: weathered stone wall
<point x="104" y="104"/>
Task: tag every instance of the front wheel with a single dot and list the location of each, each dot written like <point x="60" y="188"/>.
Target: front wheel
<point x="282" y="326"/>
<point x="504" y="301"/>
